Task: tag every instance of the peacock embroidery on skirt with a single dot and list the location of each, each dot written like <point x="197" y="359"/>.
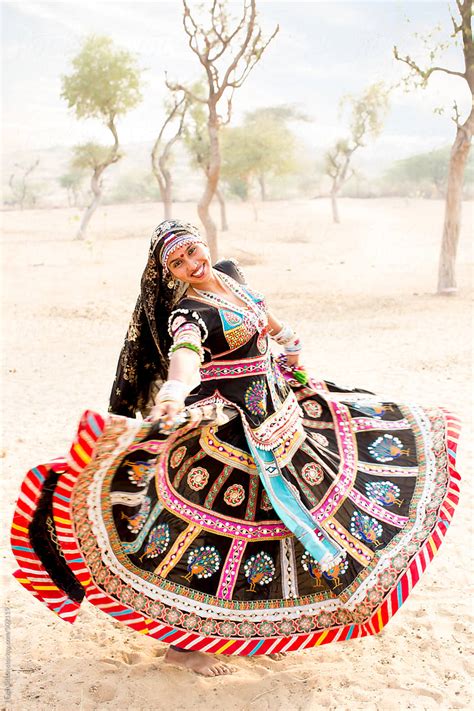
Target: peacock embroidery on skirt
<point x="386" y="448"/>
<point x="385" y="493"/>
<point x="256" y="398"/>
<point x="366" y="528"/>
<point x="158" y="541"/>
<point x="377" y="410"/>
<point x="203" y="562"/>
<point x="259" y="570"/>
<point x="332" y="575"/>
<point x="136" y="521"/>
<point x="140" y="473"/>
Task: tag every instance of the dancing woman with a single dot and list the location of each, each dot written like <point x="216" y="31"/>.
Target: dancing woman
<point x="254" y="510"/>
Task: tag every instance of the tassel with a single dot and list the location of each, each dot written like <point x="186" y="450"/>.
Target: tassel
<point x="300" y="375"/>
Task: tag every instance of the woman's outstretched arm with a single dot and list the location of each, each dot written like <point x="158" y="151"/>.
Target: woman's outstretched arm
<point x="277" y="327"/>
<point x="182" y="373"/>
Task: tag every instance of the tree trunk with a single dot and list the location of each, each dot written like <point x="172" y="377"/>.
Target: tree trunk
<point x="97" y="192"/>
<point x="335" y="208"/>
<point x="212" y="179"/>
<point x="168" y="200"/>
<point x="223" y="208"/>
<point x="263" y="187"/>
<point x="254" y="208"/>
<point x="452" y="214"/>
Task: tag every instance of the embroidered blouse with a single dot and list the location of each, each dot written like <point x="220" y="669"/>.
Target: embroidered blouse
<point x="238" y="366"/>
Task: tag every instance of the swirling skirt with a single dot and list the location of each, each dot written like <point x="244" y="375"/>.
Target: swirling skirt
<point x="177" y="537"/>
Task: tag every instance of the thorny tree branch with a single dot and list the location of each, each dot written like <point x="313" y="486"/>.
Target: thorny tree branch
<point x="462" y="26"/>
<point x="425" y="73"/>
<point x="209" y="46"/>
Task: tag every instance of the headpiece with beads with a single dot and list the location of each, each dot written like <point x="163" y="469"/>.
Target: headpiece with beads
<point x="172" y="234"/>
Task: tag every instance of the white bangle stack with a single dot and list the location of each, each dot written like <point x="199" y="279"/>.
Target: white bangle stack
<point x="174" y="391"/>
<point x="284" y="336"/>
<point x="287" y="338"/>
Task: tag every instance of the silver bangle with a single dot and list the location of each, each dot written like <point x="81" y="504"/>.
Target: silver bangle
<point x="285" y="335"/>
<point x="173" y="390"/>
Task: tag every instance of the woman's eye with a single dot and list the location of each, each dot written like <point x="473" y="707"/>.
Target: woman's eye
<point x="191" y="250"/>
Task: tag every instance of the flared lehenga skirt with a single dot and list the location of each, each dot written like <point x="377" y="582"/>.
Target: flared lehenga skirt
<point x="177" y="536"/>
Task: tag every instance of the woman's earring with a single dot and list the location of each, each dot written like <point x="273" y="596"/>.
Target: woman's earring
<point x="170" y="284"/>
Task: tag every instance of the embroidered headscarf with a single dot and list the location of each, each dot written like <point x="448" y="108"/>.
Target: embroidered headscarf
<point x="144" y="355"/>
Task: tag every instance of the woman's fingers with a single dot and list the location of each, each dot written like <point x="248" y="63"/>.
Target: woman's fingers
<point x="170" y="412"/>
<point x="166" y="411"/>
<point x="292" y="359"/>
<point x="156" y="411"/>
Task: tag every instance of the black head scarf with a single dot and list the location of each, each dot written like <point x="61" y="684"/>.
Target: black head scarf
<point x="144" y="355"/>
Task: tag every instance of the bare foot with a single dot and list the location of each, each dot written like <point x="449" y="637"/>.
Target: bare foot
<point x="278" y="655"/>
<point x="198" y="662"/>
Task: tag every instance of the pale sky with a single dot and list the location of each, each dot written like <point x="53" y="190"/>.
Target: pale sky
<point x="323" y="51"/>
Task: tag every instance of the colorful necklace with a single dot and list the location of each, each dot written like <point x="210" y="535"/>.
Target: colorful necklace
<point x="260" y="318"/>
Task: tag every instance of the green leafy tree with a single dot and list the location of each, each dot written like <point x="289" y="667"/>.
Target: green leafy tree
<point x="367" y="113"/>
<point x="72" y="182"/>
<point x="420" y="76"/>
<point x="263" y="146"/>
<point x="424" y="174"/>
<point x="133" y="187"/>
<point x="104" y="84"/>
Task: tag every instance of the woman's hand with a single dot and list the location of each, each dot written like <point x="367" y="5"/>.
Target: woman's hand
<point x="292" y="359"/>
<point x="166" y="411"/>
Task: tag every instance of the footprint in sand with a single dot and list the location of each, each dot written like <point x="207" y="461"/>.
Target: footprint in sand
<point x="421" y="691"/>
<point x="102" y="691"/>
<point x="127" y="658"/>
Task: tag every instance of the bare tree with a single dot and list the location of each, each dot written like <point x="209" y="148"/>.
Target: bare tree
<point x="161" y="153"/>
<point x="223" y="209"/>
<point x="462" y="143"/>
<point x="196" y="140"/>
<point x="228" y="50"/>
<point x="337" y="162"/>
<point x="21" y="191"/>
<point x="368" y="110"/>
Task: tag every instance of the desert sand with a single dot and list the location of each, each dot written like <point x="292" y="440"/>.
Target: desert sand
<point x="361" y="294"/>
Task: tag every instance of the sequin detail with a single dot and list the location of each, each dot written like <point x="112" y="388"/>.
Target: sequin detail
<point x="256" y="398"/>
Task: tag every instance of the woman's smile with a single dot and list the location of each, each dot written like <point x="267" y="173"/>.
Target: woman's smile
<point x="199" y="272"/>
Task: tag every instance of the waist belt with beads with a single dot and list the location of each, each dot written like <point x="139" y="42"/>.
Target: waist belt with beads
<point x="217" y="369"/>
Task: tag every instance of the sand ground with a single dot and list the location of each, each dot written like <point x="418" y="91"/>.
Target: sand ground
<point x="361" y="296"/>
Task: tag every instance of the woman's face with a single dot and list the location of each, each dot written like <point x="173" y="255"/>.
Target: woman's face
<point x="191" y="263"/>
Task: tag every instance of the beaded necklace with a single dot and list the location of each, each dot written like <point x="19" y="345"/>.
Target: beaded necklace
<point x="259" y="315"/>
